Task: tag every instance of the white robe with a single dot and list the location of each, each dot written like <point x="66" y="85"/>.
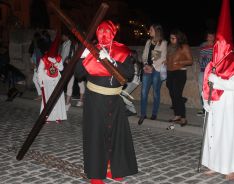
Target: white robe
<point x="59" y="110"/>
<point x="218" y="154"/>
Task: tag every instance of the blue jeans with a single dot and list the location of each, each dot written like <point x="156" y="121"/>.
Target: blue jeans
<point x="149" y="79"/>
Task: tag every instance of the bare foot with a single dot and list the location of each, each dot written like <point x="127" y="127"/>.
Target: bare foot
<point x="229" y="176"/>
<point x="209" y="173"/>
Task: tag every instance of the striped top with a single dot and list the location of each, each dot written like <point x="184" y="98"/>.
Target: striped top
<point x="206" y="52"/>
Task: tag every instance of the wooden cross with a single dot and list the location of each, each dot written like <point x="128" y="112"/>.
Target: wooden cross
<point x="67" y="74"/>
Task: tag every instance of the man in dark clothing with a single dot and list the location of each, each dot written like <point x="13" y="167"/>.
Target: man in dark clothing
<point x="107" y="140"/>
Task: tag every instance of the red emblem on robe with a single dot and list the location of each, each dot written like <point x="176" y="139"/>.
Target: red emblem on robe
<point x="50" y="67"/>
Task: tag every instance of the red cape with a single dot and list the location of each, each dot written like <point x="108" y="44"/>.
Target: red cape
<point x="118" y="51"/>
<point x="223" y="62"/>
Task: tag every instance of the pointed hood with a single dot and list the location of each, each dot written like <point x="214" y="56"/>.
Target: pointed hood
<point x="53" y="51"/>
<point x="224" y="29"/>
<point x="223" y="57"/>
<point x="106" y="32"/>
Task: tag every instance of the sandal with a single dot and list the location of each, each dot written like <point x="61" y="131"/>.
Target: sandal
<point x="175" y="119"/>
<point x="171" y="127"/>
<point x="182" y="122"/>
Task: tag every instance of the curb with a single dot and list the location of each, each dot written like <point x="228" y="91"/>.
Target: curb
<point x="163" y="125"/>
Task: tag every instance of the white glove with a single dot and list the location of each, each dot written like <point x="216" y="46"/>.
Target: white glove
<point x="206" y="106"/>
<point x="85" y="53"/>
<point x="104" y="54"/>
<point x="52" y="60"/>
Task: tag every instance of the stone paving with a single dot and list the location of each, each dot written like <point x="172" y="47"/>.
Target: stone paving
<point x="164" y="157"/>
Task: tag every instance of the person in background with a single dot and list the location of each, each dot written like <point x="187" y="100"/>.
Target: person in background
<point x="205" y="56"/>
<point x="219" y="101"/>
<point x="107" y="141"/>
<point x="131" y="86"/>
<point x="68" y="49"/>
<point x="46" y="41"/>
<point x="66" y="52"/>
<point x="81" y="83"/>
<point x="179" y="56"/>
<point x="153" y="57"/>
<point x="35" y="51"/>
<point x="49" y="75"/>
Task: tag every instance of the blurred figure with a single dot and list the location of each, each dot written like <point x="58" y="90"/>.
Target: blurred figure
<point x="66" y="54"/>
<point x="36" y="52"/>
<point x="107" y="140"/>
<point x="205" y="56"/>
<point x="81" y="84"/>
<point x="153" y="57"/>
<point x="68" y="49"/>
<point x="131" y="86"/>
<point x="46" y="40"/>
<point x="178" y="57"/>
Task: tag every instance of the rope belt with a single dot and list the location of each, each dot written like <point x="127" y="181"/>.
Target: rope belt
<point x="103" y="90"/>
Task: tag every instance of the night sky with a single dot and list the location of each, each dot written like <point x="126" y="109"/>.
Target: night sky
<point x="191" y="16"/>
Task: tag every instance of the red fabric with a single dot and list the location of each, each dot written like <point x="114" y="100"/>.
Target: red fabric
<point x="96" y="181"/>
<point x="224" y="70"/>
<point x="109" y="174"/>
<point x="224" y="30"/>
<point x="49" y="64"/>
<point x="105" y="33"/>
<point x="223" y="57"/>
<point x="119" y="53"/>
<point x="53" y="51"/>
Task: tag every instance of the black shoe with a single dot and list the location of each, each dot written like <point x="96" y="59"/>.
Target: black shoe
<point x="201" y="113"/>
<point x="12" y="93"/>
<point x="182" y="123"/>
<point x="174" y="120"/>
<point x="140" y="121"/>
<point x="20" y="94"/>
<point x="153" y="117"/>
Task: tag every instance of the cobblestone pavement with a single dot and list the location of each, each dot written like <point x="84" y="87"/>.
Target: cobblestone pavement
<point x="164" y="157"/>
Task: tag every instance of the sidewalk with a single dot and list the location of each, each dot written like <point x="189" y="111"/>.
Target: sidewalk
<point x="56" y="155"/>
<point x="194" y="126"/>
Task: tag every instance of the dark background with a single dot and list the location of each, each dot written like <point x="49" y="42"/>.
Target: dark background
<point x="193" y="17"/>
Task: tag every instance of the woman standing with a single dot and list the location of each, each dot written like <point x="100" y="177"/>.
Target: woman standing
<point x="178" y="57"/>
<point x="154" y="56"/>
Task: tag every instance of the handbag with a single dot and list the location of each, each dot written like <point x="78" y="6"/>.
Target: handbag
<point x="148" y="69"/>
<point x="163" y="72"/>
